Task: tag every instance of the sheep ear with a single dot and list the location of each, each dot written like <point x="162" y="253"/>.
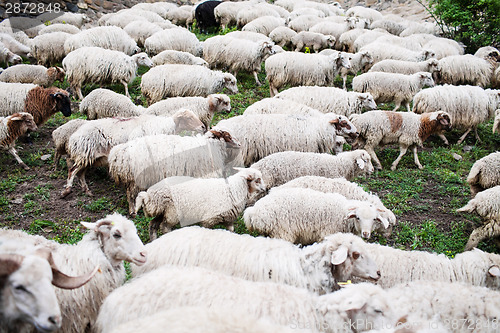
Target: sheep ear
<point x="351" y="212"/>
<point x="494" y="271"/>
<point x="354" y="303"/>
<point x="16" y="118"/>
<point x="384" y="221"/>
<point x="9" y="263"/>
<point x="361" y="163"/>
<point x="433" y="116"/>
<point x="339" y="255"/>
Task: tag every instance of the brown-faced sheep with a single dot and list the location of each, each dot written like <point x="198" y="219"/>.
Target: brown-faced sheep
<point x="11" y="128"/>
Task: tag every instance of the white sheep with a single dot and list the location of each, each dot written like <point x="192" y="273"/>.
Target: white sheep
<point x="346" y="39"/>
<point x="179" y="16"/>
<point x="363" y="38"/>
<point x="496" y="123"/>
<point x="389" y="25"/>
<point x="421" y="28"/>
<point x="179" y="39"/>
<point x="468" y="106"/>
<point x="76" y="19"/>
<point x="370" y="14"/>
<point x="141" y="30"/>
<point x="105" y="103"/>
<point x="186" y="203"/>
<point x="279" y="168"/>
<point x="264" y="24"/>
<point x="251" y="13"/>
<point x="464" y="69"/>
<point x="392" y="87"/>
<point x="312" y="40"/>
<point x="248" y="35"/>
<point x="295" y="69"/>
<point x="177" y="57"/>
<point x="91" y="143"/>
<point x="7" y="57"/>
<point x="107" y="244"/>
<point x="48" y="49"/>
<point x="406" y="67"/>
<point x="408" y="129"/>
<point x="34" y="74"/>
<point x="381" y="51"/>
<point x="407" y="43"/>
<point x="351" y="309"/>
<point x="444" y="47"/>
<point x="303" y="22"/>
<point x="97" y="65"/>
<point x="123" y="17"/>
<point x="60" y="27"/>
<point x="226" y="13"/>
<point x="12" y="127"/>
<point x="360" y="62"/>
<point x="142" y="162"/>
<point x="484" y="173"/>
<point x="61" y="136"/>
<point x="13" y="97"/>
<point x="282" y="36"/>
<point x="264" y="134"/>
<point x="204" y="107"/>
<point x="14" y="46"/>
<point x="281" y="106"/>
<point x="111" y="38"/>
<point x="330" y="99"/>
<point x="184" y="80"/>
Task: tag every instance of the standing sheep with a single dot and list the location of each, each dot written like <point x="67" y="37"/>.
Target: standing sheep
<point x="178" y="39"/>
<point x="14" y="46"/>
<point x="12" y="127"/>
<point x="463" y="70"/>
<point x="141" y="30"/>
<point x="105" y="103"/>
<point x="35" y="74"/>
<point x="48" y="49"/>
<point x="204" y="14"/>
<point x="302" y="69"/>
<point x="177" y="57"/>
<point x="187" y="202"/>
<point x="282" y="36"/>
<point x="392" y="87"/>
<point x="61" y="136"/>
<point x="381" y="51"/>
<point x="360" y="62"/>
<point x="97" y="65"/>
<point x="110" y="37"/>
<point x="264" y="24"/>
<point x="184" y="80"/>
<point x="312" y="40"/>
<point x="406" y="67"/>
<point x="485" y="173"/>
<point x="405" y="128"/>
<point x="7" y="57"/>
<point x="226" y="12"/>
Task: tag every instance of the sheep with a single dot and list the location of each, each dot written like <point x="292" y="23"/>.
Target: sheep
<point x="184" y="80"/>
<point x="463" y="70"/>
<point x="209" y="156"/>
<point x="7" y="57"/>
<point x="308" y="134"/>
<point x="91" y="143"/>
<point x="141" y="30"/>
<point x="108" y="243"/>
<point x="305" y="11"/>
<point x="60" y="27"/>
<point x="30" y="26"/>
<point x="66" y="18"/>
<point x="381" y="51"/>
<point x="360" y="62"/>
<point x="179" y="39"/>
<point x="249" y="35"/>
<point x="179" y="16"/>
<point x="105" y="103"/>
<point x="407" y="43"/>
<point x="122" y="18"/>
<point x="279" y="168"/>
<point x="264" y="24"/>
<point x="421" y="28"/>
<point x="61" y="136"/>
<point x="484" y="173"/>
<point x="308" y="267"/>
<point x="180" y="203"/>
<point x="302" y="69"/>
<point x="350" y="190"/>
<point x="168" y="287"/>
<point x="160" y="8"/>
<point x="35" y="74"/>
<point x="226" y="13"/>
<point x="405" y="128"/>
<point x="392" y="87"/>
<point x="97" y="65"/>
<point x="177" y="57"/>
<point x="330" y="99"/>
<point x="281" y="106"/>
<point x="13" y="45"/>
<point x="444" y="47"/>
<point x="249" y="14"/>
<point x="406" y="67"/>
<point x="370" y="14"/>
<point x="204" y="107"/>
<point x="111" y="38"/>
<point x="468" y="106"/>
<point x="204" y="14"/>
<point x="390" y="26"/>
<point x="346" y="40"/>
<point x="313" y="40"/>
<point x="303" y="23"/>
<point x="496" y="123"/>
<point x="365" y="38"/>
<point x="13" y="97"/>
<point x="282" y="36"/>
<point x="48" y="49"/>
<point x="11" y="128"/>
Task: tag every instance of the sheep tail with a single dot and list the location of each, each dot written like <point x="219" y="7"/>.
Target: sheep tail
<point x="470" y="207"/>
<point x="139" y="201"/>
<point x="473" y="177"/>
<point x="247" y="217"/>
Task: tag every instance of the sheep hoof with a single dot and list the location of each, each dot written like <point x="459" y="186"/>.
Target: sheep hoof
<point x="25" y="167"/>
<point x="392" y="168"/>
<point x="89" y="193"/>
<point x="66" y="192"/>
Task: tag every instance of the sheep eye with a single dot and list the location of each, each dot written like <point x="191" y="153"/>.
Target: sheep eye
<point x="355" y="255"/>
<point x="378" y="311"/>
<point x="117" y="235"/>
<point x="21" y="288"/>
<point x="258" y="181"/>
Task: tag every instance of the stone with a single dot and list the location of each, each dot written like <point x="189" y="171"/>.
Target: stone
<point x="45" y="157"/>
<point x="456" y="156"/>
<point x="108" y="5"/>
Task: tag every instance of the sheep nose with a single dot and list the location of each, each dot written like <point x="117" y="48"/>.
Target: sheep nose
<point x="378" y="274"/>
<point x="366" y="234"/>
<point x="143" y="254"/>
<point x="55" y="320"/>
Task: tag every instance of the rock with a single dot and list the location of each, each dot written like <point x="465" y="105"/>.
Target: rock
<point x="82" y="5"/>
<point x="17" y="201"/>
<point x="45" y="157"/>
<point x="457" y="157"/>
<point x="467" y="148"/>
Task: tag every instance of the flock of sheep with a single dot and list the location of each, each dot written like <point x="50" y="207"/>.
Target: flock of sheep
<point x="280" y="165"/>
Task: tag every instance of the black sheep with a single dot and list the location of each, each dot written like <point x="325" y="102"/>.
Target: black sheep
<point x="204" y="15"/>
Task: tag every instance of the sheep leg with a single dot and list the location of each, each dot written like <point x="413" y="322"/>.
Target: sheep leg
<point x="153" y="227"/>
<point x="257" y="82"/>
<point x="408" y="106"/>
<point x="230" y="226"/>
<point x="131" y="195"/>
<point x="398" y="104"/>
<point x="415" y="158"/>
<point x="369" y="149"/>
<point x="125" y="85"/>
<point x="344" y="79"/>
<point x="83" y="182"/>
<point x="273" y="91"/>
<point x="78" y="90"/>
<point x="477" y="135"/>
<point x="489" y="230"/>
<point x="445" y="140"/>
<point x="402" y="151"/>
<point x="462" y="138"/>
<point x="13" y="152"/>
<point x="71" y="177"/>
<point x="57" y="158"/>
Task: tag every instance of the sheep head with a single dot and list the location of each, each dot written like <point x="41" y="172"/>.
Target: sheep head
<point x="218" y="103"/>
<point x="224" y="136"/>
<point x="230" y="83"/>
<point x="62" y="101"/>
<point x="23" y="121"/>
<point x="343" y="127"/>
<point x="425" y="79"/>
<point x="367" y="101"/>
<point x="187" y="120"/>
<point x="142" y="59"/>
<point x="365" y="216"/>
<point x="254" y="180"/>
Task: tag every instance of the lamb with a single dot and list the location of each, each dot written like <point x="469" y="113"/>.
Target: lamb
<point x="330" y="99"/>
<point x="60" y="27"/>
<point x="281" y="106"/>
<point x="406" y="67"/>
<point x="484" y="173"/>
<point x="7" y="57"/>
<point x="184" y="80"/>
<point x="107" y="244"/>
<point x="464" y="69"/>
<point x="304" y="216"/>
<point x="48" y="49"/>
<point x="86" y="64"/>
<point x="307" y="134"/>
<point x="204" y="107"/>
<point x="392" y="87"/>
<point x="105" y="103"/>
<point x="309" y="267"/>
<point x="264" y="24"/>
<point x="177" y="57"/>
<point x="35" y="74"/>
<point x="61" y="136"/>
<point x="282" y="36"/>
<point x="91" y="143"/>
<point x="179" y="39"/>
<point x="279" y="168"/>
<point x="405" y="128"/>
<point x="180" y="203"/>
<point x="468" y="106"/>
<point x="381" y="51"/>
<point x="209" y="156"/>
<point x="360" y="62"/>
<point x="12" y="127"/>
<point x="302" y="69"/>
<point x="110" y="37"/>
<point x="141" y="30"/>
<point x="13" y="45"/>
<point x="313" y="40"/>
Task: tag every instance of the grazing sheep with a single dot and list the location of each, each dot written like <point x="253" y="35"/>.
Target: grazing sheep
<point x="12" y="127"/>
<point x="177" y="57"/>
<point x="359" y="306"/>
<point x="360" y="62"/>
<point x="179" y="16"/>
<point x="444" y="47"/>
<point x="14" y="46"/>
<point x="97" y="65"/>
<point x="405" y="128"/>
<point x="91" y="143"/>
<point x="105" y="103"/>
<point x="107" y="244"/>
<point x="313" y="40"/>
<point x="363" y="38"/>
<point x="67" y="18"/>
<point x="346" y="40"/>
<point x="392" y="87"/>
<point x="468" y="106"/>
<point x="264" y="24"/>
<point x="35" y="74"/>
<point x="141" y="30"/>
<point x="381" y="51"/>
<point x="204" y="107"/>
<point x="180" y="203"/>
<point x="60" y="27"/>
<point x="226" y="13"/>
<point x="264" y="134"/>
<point x="407" y="43"/>
<point x="484" y="173"/>
<point x="464" y="69"/>
<point x="253" y="12"/>
<point x="390" y="26"/>
<point x="48" y="49"/>
<point x="170" y="155"/>
<point x="178" y="39"/>
<point x="13" y="97"/>
<point x="281" y="106"/>
<point x="295" y="69"/>
<point x="303" y="23"/>
<point x="184" y="80"/>
<point x="7" y="57"/>
<point x="330" y="99"/>
<point x="421" y="28"/>
<point x="61" y="136"/>
<point x="282" y="36"/>
<point x="204" y="13"/>
<point x="279" y="168"/>
<point x="486" y="203"/>
<point x="308" y="267"/>
<point x="110" y="37"/>
<point x="406" y="67"/>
